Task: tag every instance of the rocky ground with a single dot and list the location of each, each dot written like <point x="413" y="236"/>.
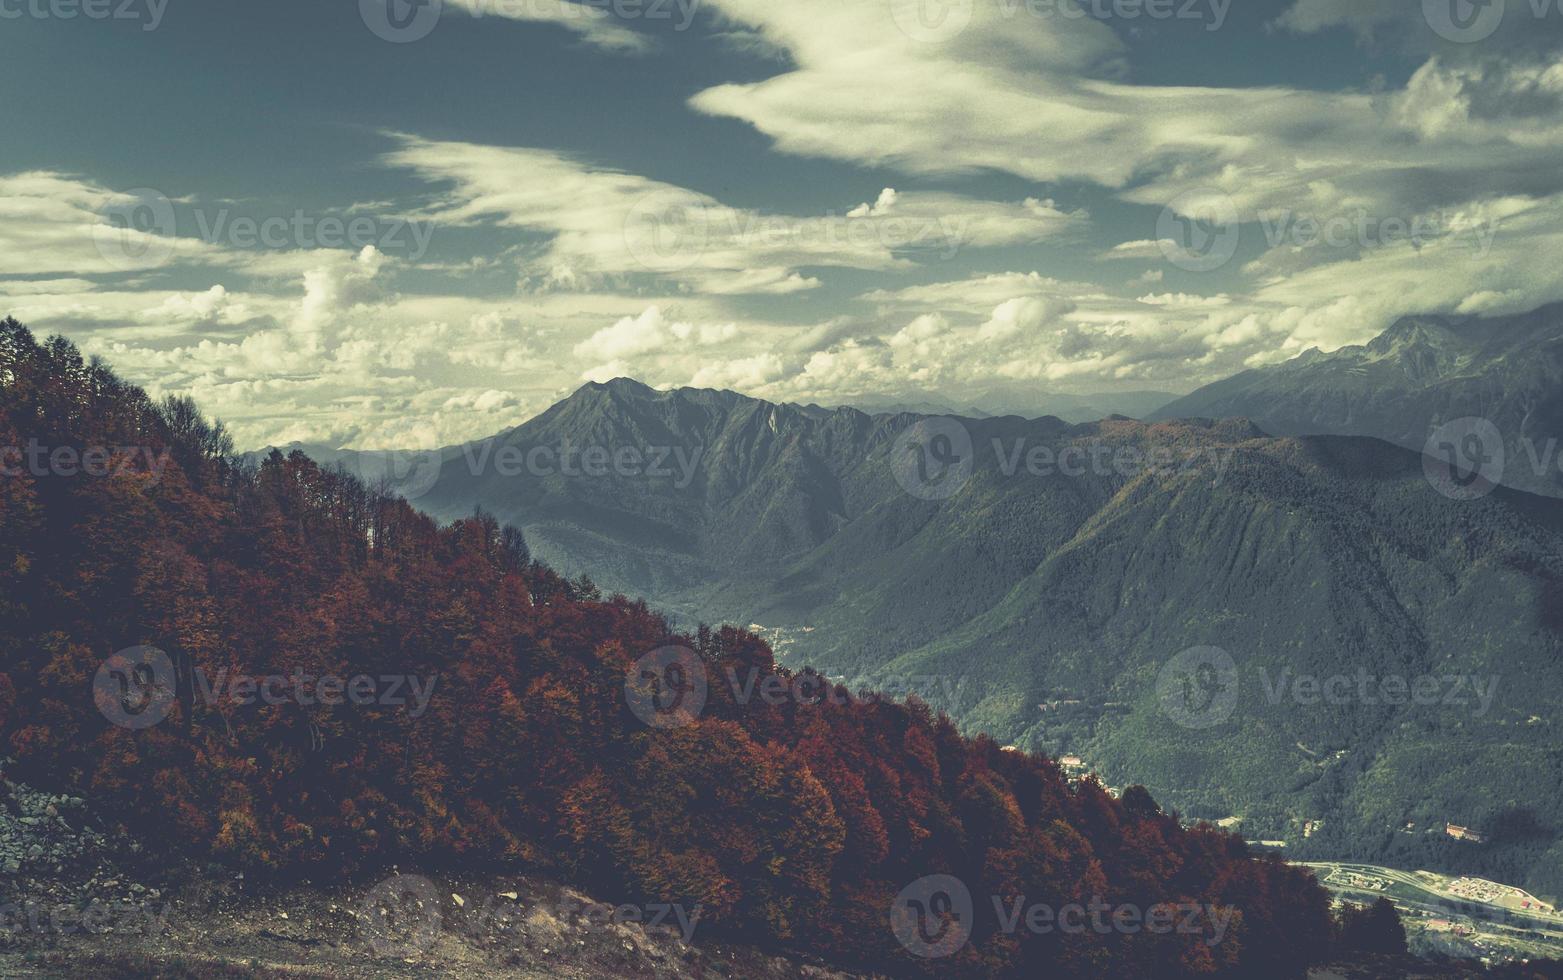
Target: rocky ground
<point x="77" y="902"/>
<point x="532" y="929"/>
<point x="60" y="873"/>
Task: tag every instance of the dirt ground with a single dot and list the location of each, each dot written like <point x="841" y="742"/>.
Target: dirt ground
<point x="408" y="926"/>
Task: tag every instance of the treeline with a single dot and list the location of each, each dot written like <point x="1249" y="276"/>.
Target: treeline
<point x="793" y="825"/>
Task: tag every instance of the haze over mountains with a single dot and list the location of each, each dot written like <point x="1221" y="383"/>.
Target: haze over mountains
<point x="1024" y="400"/>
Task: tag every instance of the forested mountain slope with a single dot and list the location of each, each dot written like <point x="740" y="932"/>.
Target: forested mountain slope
<point x="1042" y="596"/>
<point x="790" y="821"/>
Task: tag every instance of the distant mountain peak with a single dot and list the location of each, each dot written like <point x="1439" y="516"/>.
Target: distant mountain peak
<point x="1416" y="331"/>
<point x="1420" y="372"/>
<point x="625" y="385"/>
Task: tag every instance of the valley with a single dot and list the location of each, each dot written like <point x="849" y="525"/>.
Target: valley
<point x="807" y="490"/>
<point x="1385" y="653"/>
<point x="1451" y="915"/>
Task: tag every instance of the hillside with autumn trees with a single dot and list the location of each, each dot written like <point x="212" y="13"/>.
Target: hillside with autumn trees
<point x="793" y="824"/>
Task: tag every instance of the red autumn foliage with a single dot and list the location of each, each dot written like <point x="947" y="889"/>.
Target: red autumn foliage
<point x="793" y="825"/>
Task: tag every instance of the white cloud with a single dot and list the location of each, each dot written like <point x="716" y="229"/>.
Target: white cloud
<point x="1361" y="16"/>
<point x="58" y="224"/>
<point x="598" y="272"/>
<point x="753" y="373"/>
<point x="1026" y="313"/>
<point x="1518" y="27"/>
<point x="879" y="208"/>
<point x="594" y="25"/>
<point x="1156" y="249"/>
<point x="1036" y="97"/>
<point x="649" y="332"/>
<point x="978" y="293"/>
<point x="598" y="221"/>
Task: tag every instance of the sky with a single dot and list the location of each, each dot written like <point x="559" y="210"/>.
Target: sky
<point x="409" y="223"/>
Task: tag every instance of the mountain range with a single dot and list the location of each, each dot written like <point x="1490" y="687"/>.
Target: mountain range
<point x="214" y="663"/>
<point x="1023" y="399"/>
<point x="1422" y="373"/>
<point x="1060" y="586"/>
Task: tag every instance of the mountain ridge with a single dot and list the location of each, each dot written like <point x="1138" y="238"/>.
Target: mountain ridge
<point x="789" y="814"/>
<point x="1421" y="373"/>
<point x="1322" y="553"/>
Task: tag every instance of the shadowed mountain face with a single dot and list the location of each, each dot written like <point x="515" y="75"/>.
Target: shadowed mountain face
<point x="1420" y="374"/>
<point x="1042" y="582"/>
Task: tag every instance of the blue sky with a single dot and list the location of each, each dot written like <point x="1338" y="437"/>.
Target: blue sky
<point x="331" y="230"/>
